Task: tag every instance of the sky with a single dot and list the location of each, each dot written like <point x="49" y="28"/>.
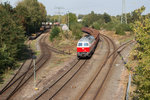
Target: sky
<point x="112" y="7"/>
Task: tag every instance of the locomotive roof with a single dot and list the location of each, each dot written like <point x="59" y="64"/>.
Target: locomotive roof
<point x="87" y="38"/>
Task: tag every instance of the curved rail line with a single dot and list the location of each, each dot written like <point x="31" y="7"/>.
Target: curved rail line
<point x="111" y="65"/>
<point x="30" y="73"/>
<point x="108" y="40"/>
<point x="113" y="56"/>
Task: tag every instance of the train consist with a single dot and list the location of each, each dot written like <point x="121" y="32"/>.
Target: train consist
<point x="87" y="44"/>
<point x="37" y="34"/>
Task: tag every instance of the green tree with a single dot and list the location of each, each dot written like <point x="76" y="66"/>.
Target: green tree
<point x="80" y="16"/>
<point x="54" y="33"/>
<point x="142" y="70"/>
<point x="96" y="25"/>
<point x="72" y="18"/>
<point x="76" y="30"/>
<point x="91" y="18"/>
<point x="35" y="14"/>
<point x="11" y="37"/>
<point x="43" y="12"/>
<point x="54" y="18"/>
<point x="49" y="18"/>
<point x="107" y="17"/>
<point x="22" y="14"/>
<point x="136" y="14"/>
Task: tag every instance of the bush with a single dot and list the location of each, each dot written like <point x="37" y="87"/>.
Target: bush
<point x="121" y="28"/>
<point x="96" y="25"/>
<point x="76" y="30"/>
<point x="11" y="36"/>
<point x="126" y="27"/>
<point x="107" y="17"/>
<point x="54" y="33"/>
<point x="111" y="26"/>
<point x="142" y="68"/>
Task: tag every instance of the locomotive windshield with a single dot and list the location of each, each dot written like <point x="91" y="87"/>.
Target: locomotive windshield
<point x="79" y="44"/>
<point x="85" y="44"/>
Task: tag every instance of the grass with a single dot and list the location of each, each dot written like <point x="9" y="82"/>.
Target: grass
<point x="127" y="39"/>
<point x="4" y="78"/>
<point x="64" y="44"/>
<point x="33" y="47"/>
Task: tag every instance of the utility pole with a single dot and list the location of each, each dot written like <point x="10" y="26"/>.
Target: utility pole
<point x="59" y="12"/>
<point x="68" y="19"/>
<point x="34" y="58"/>
<point x="123" y="16"/>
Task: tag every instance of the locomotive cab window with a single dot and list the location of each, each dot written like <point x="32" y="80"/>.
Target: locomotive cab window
<point x="86" y="44"/>
<point x="79" y="44"/>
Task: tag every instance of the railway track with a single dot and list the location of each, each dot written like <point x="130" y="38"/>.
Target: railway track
<point x="12" y="79"/>
<point x="58" y="51"/>
<point x="109" y="43"/>
<point x="51" y="92"/>
<point x="102" y="78"/>
<point x="21" y="77"/>
<point x="120" y="49"/>
<point x="56" y="86"/>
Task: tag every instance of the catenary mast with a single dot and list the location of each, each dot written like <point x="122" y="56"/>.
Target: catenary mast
<point x="123" y="16"/>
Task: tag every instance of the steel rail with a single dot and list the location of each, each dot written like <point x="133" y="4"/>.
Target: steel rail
<point x="111" y="64"/>
<point x="113" y="55"/>
<point x="24" y="73"/>
<point x="38" y="97"/>
<point x="30" y="74"/>
<point x="100" y="68"/>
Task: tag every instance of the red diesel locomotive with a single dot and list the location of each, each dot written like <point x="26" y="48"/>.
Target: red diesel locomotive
<point x="87" y="44"/>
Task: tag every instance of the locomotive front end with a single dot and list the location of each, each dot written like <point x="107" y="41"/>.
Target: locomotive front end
<point x="83" y="49"/>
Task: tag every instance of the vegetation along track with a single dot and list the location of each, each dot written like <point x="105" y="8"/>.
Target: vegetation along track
<point x="21" y="78"/>
<point x="112" y="58"/>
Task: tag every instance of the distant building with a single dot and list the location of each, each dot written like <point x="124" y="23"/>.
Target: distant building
<point x="79" y="20"/>
<point x="65" y="27"/>
<point x="43" y="23"/>
<point x="50" y="23"/>
<point x="56" y="23"/>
